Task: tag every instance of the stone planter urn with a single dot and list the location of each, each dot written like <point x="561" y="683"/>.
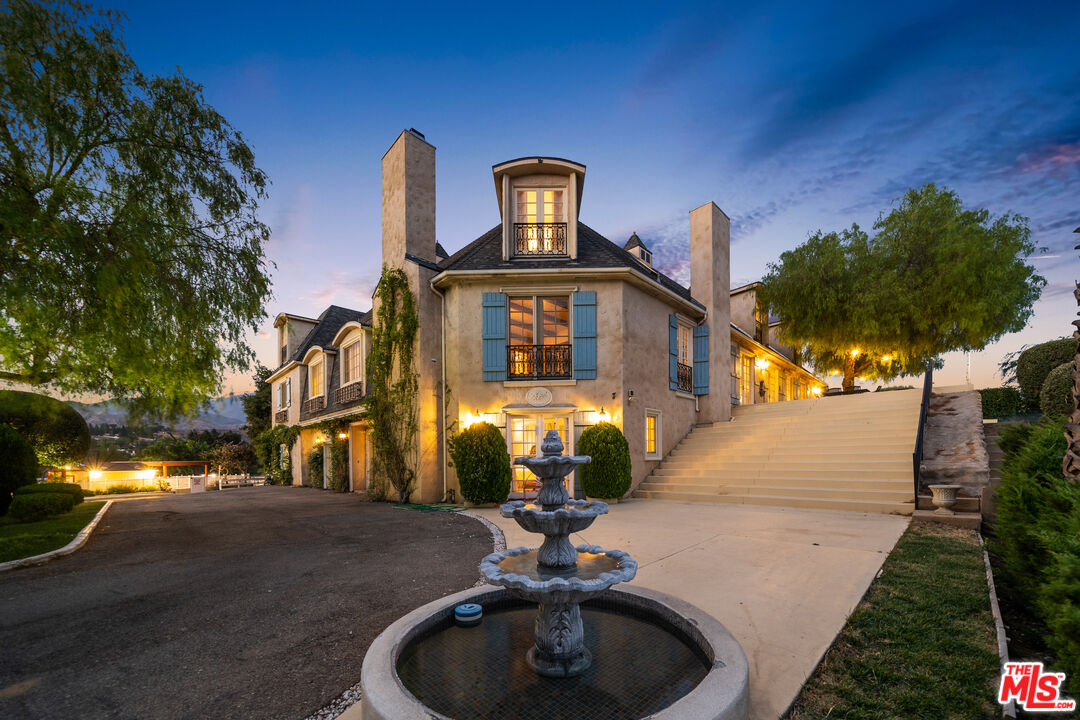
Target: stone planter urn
<point x="944" y="498"/>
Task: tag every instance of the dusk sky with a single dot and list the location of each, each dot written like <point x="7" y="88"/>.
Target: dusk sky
<point x="790" y="116"/>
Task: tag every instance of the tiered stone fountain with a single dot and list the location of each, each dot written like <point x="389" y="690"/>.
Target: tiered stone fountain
<point x="519" y="647"/>
<point x="557" y="575"/>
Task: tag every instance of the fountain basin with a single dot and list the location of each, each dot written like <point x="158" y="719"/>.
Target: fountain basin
<point x="710" y="681"/>
<point x="574" y="516"/>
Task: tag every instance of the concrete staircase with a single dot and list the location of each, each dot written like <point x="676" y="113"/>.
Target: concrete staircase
<point x="850" y="452"/>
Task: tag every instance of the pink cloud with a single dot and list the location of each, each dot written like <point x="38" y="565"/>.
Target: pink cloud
<point x="1052" y="159"/>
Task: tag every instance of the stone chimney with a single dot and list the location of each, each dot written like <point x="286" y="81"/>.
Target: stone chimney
<point x="408" y="199"/>
<point x="710" y="284"/>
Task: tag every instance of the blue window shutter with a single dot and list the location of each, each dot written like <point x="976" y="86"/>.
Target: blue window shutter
<point x="585" y="335"/>
<point x="494" y="336"/>
<point x="673" y="352"/>
<point x="701" y="360"/>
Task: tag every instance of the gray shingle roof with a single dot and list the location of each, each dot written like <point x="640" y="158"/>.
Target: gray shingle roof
<point x="329" y="323"/>
<point x="634" y="242"/>
<point x="594" y="251"/>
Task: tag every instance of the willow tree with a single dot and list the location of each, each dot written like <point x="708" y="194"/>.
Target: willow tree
<point x="936" y="277"/>
<point x="131" y="256"/>
<point x="392" y="409"/>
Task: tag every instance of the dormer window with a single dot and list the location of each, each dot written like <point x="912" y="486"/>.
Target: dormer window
<point x="540" y="222"/>
<point x="315" y="375"/>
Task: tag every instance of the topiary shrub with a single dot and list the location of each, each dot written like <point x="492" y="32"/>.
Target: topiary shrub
<point x="482" y="462"/>
<point x="18" y="464"/>
<point x="1001" y="402"/>
<point x="1035" y="363"/>
<point x="1055" y="397"/>
<point x="55" y="430"/>
<point x="38" y="506"/>
<point x="71" y="489"/>
<point x="608" y="475"/>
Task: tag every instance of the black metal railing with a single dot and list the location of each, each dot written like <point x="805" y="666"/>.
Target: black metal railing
<point x="684" y="378"/>
<point x="540" y="239"/>
<point x="539" y="362"/>
<point x="348" y="394"/>
<point x="916" y="457"/>
<point x="281" y="416"/>
<point x="315" y="404"/>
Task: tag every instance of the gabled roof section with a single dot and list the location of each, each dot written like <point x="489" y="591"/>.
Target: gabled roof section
<point x="594" y="252"/>
<point x="326" y="329"/>
<point x="634" y="242"/>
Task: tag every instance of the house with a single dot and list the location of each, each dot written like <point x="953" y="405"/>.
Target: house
<point x="539" y="324"/>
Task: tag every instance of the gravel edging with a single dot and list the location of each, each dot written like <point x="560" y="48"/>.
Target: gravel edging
<point x="1009" y="709"/>
<point x="77" y="542"/>
<point x="339" y="705"/>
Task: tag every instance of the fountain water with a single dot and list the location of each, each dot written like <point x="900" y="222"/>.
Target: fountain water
<point x="558" y="576"/>
<point x="550" y="637"/>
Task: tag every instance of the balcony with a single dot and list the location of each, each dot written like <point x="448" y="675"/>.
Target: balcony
<point x="540" y="239"/>
<point x="349" y="394"/>
<point x="315" y="404"/>
<point x="539" y="362"/>
<point x="281" y="416"/>
<point x="684" y="378"/>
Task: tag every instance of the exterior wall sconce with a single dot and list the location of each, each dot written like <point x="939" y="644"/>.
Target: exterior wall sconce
<point x="630" y="396"/>
<point x="318" y="441"/>
<point x="343" y="435"/>
<point x="761" y="364"/>
<point x="816" y="390"/>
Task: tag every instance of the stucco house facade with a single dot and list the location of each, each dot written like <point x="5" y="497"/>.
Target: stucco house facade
<point x="539" y="324"/>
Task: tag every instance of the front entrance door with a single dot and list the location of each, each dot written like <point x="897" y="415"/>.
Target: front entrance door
<point x="357" y="459"/>
<point x="526" y="432"/>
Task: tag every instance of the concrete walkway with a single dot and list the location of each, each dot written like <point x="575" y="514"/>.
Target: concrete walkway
<point x="782" y="580"/>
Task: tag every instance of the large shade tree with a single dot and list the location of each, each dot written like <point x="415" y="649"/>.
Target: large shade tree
<point x="131" y="256"/>
<point x="934" y="278"/>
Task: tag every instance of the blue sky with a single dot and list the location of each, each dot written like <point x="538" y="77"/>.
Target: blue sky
<point x="790" y="116"/>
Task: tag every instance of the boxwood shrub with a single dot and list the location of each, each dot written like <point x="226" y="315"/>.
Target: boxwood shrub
<point x="608" y="475"/>
<point x="482" y="463"/>
<point x="71" y="489"/>
<point x="1035" y="363"/>
<point x="18" y="464"/>
<point x="1055" y="397"/>
<point x="1001" y="402"/>
<point x="38" y="506"/>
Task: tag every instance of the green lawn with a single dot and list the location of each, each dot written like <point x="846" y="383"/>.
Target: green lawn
<point x="922" y="642"/>
<point x="20" y="540"/>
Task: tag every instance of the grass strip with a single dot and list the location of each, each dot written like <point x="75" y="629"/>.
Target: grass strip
<point x="921" y="644"/>
<point x="22" y="540"/>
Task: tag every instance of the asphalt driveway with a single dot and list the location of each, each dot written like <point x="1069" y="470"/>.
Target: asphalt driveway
<point x="253" y="603"/>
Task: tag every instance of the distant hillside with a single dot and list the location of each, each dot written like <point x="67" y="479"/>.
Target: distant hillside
<point x="226" y="413"/>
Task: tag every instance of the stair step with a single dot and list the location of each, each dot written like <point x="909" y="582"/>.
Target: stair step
<point x="904" y="485"/>
<point x="847" y="473"/>
<point x="868" y="506"/>
<point x="846" y="493"/>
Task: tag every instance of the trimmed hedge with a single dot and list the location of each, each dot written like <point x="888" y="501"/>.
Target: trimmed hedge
<point x="18" y="464"/>
<point x="75" y="491"/>
<point x="482" y="463"/>
<point x="608" y="475"/>
<point x="1001" y="402"/>
<point x="1038" y="536"/>
<point x="1035" y="363"/>
<point x="38" y="506"/>
<point x="1055" y="397"/>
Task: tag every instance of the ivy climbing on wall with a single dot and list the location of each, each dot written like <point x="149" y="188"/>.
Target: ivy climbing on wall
<point x="392" y="409"/>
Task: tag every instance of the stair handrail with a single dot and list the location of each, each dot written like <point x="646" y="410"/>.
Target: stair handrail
<point x="917" y="455"/>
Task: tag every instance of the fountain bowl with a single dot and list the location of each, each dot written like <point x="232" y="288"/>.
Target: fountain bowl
<point x="721" y="693"/>
<point x="574" y="516"/>
<point x="597" y="570"/>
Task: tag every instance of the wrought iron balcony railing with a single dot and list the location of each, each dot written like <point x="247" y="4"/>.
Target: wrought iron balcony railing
<point x="281" y="416"/>
<point x="542" y="239"/>
<point x="539" y="362"/>
<point x="349" y="394"/>
<point x="315" y="404"/>
<point x="684" y="378"/>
